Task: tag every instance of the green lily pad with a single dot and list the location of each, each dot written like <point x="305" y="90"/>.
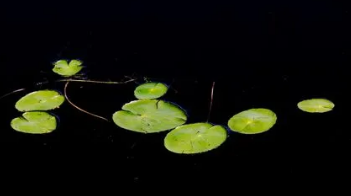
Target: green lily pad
<point x="40" y="100"/>
<point x="150" y="90"/>
<point x="149" y="116"/>
<point x="34" y="123"/>
<point x="316" y="105"/>
<point x="195" y="138"/>
<point x="63" y="68"/>
<point x="252" y="121"/>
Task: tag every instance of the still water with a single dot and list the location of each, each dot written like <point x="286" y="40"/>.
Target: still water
<point x="252" y="66"/>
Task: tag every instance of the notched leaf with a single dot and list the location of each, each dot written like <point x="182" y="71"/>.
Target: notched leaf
<point x="149" y="116"/>
<point x="199" y="137"/>
<point x="65" y="69"/>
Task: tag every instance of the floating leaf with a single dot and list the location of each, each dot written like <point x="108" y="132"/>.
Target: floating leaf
<point x="151" y="90"/>
<point x="149" y="116"/>
<point x="34" y="123"/>
<point x="316" y="105"/>
<point x="253" y="121"/>
<point x="195" y="138"/>
<point x="40" y="100"/>
<point x="63" y="68"/>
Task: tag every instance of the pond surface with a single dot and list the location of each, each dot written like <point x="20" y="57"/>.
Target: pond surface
<point x="266" y="63"/>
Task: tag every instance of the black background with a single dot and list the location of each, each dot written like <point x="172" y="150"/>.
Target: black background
<point x="269" y="54"/>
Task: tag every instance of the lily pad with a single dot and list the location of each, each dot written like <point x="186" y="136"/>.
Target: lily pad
<point x="40" y="100"/>
<point x="150" y="90"/>
<point x="149" y="116"/>
<point x="35" y="123"/>
<point x="195" y="138"/>
<point x="316" y="105"/>
<point x="253" y="121"/>
<point x="63" y="68"/>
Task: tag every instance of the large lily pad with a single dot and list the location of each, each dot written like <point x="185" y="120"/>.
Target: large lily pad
<point x="253" y="121"/>
<point x="150" y="90"/>
<point x="316" y="105"/>
<point x="195" y="138"/>
<point x="149" y="116"/>
<point x="63" y="68"/>
<point x="35" y="123"/>
<point x="42" y="100"/>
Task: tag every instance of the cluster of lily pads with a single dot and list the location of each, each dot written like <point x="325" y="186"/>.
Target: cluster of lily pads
<point x="36" y="119"/>
<point x="150" y="114"/>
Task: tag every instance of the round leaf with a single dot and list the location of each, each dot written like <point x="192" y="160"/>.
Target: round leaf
<point x="151" y="90"/>
<point x="316" y="105"/>
<point x="195" y="138"/>
<point x="149" y="116"/>
<point x="63" y="68"/>
<point x="40" y="100"/>
<point x="253" y="121"/>
<point x="34" y="123"/>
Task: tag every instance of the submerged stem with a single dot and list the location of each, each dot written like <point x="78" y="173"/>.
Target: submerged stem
<point x="170" y="86"/>
<point x="69" y="80"/>
<point x="211" y="102"/>
<point x="12" y="92"/>
<point x="78" y="108"/>
<point x="88" y="81"/>
<point x="94" y="81"/>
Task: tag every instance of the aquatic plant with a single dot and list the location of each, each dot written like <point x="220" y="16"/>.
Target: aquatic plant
<point x="252" y="121"/>
<point x="149" y="116"/>
<point x="150" y="90"/>
<point x="40" y="100"/>
<point x="198" y="137"/>
<point x="35" y="123"/>
<point x="35" y="120"/>
<point x="65" y="69"/>
<point x="195" y="138"/>
<point x="317" y="105"/>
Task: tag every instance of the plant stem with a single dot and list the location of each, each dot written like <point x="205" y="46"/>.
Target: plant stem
<point x="211" y="102"/>
<point x="78" y="108"/>
<point x="94" y="81"/>
<point x="87" y="81"/>
<point x="12" y="92"/>
<point x="65" y="91"/>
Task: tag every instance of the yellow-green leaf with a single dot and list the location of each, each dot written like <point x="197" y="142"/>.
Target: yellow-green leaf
<point x="34" y="123"/>
<point x="195" y="138"/>
<point x="151" y="90"/>
<point x="40" y="100"/>
<point x="149" y="116"/>
<point x="317" y="105"/>
<point x="63" y="68"/>
<point x="252" y="121"/>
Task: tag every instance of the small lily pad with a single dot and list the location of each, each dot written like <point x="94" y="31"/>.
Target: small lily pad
<point x="35" y="123"/>
<point x="253" y="121"/>
<point x="316" y="105"/>
<point x="195" y="138"/>
<point x="149" y="116"/>
<point x="150" y="90"/>
<point x="42" y="100"/>
<point x="63" y="68"/>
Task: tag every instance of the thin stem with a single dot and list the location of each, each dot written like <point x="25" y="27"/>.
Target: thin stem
<point x="211" y="102"/>
<point x="94" y="81"/>
<point x="170" y="86"/>
<point x="69" y="80"/>
<point x="86" y="81"/>
<point x="78" y="108"/>
<point x="12" y="92"/>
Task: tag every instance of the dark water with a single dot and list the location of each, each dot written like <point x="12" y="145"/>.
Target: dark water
<point x="270" y="56"/>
